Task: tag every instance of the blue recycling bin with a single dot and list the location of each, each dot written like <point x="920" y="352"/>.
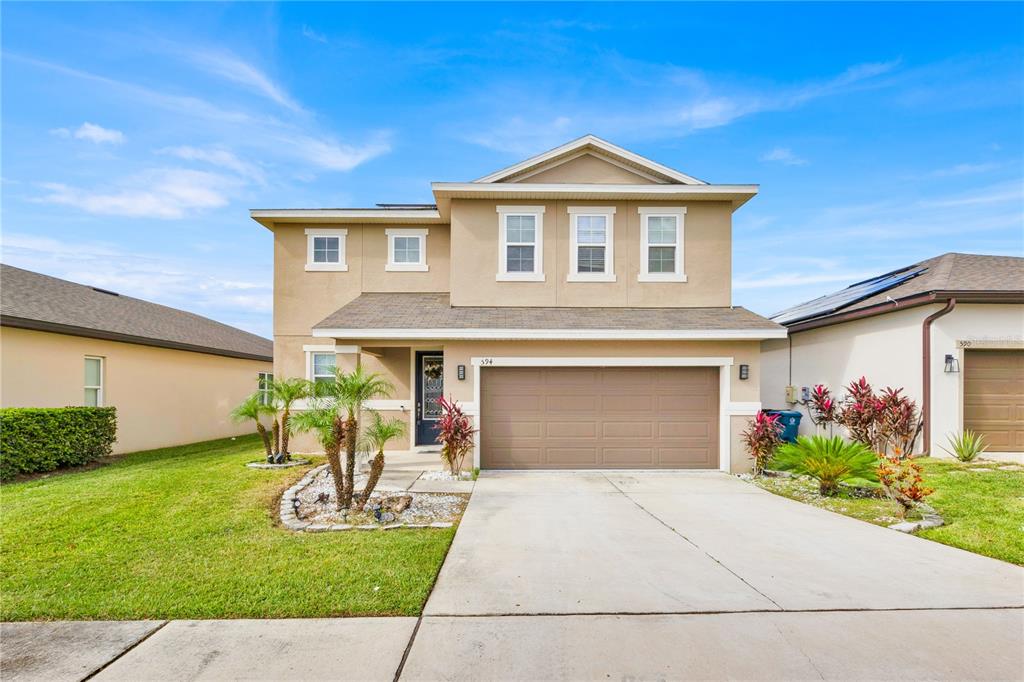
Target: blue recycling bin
<point x="790" y="420"/>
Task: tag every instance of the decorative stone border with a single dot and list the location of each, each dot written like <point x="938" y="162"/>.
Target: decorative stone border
<point x="293" y="522"/>
<point x="282" y="465"/>
<point x="930" y="519"/>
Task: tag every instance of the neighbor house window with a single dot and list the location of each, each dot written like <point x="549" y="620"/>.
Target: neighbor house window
<point x="93" y="382"/>
<point x="263" y="384"/>
<point x="407" y="250"/>
<point x="661" y="245"/>
<point x="591" y="247"/>
<point x="520" y="243"/>
<point x="321" y="367"/>
<point x="325" y="249"/>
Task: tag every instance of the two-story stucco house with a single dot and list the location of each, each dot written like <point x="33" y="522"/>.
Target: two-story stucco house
<point x="577" y="303"/>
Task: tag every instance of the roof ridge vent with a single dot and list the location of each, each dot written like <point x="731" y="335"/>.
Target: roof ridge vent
<point x="105" y="291"/>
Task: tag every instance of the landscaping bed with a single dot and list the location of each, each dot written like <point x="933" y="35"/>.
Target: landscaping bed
<point x="981" y="502"/>
<point x="189" y="532"/>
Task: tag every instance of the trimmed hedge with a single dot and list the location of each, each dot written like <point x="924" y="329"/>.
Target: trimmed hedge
<point x="34" y="439"/>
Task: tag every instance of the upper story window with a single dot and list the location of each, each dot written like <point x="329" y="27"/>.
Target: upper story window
<point x="325" y="249"/>
<point x="93" y="382"/>
<point x="407" y="250"/>
<point x="591" y="248"/>
<point x="661" y="245"/>
<point x="521" y="243"/>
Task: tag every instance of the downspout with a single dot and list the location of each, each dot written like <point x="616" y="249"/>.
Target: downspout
<point x="926" y="375"/>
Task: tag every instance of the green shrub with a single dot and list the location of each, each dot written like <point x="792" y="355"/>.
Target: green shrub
<point x="829" y="461"/>
<point x="34" y="439"/>
<point x="966" y="446"/>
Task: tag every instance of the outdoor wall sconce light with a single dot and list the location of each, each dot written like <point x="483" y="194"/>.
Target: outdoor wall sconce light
<point x="952" y="364"/>
<point x="744" y="372"/>
<point x="462" y="373"/>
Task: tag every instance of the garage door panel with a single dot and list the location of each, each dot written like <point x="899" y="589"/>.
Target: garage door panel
<point x="600" y="417"/>
<point x="994" y="397"/>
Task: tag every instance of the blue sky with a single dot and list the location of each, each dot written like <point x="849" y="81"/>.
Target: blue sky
<point x="136" y="136"/>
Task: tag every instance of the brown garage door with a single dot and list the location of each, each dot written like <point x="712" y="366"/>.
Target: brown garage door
<point x="599" y="418"/>
<point x="994" y="397"/>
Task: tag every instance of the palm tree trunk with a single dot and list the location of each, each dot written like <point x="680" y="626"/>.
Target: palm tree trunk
<point x="276" y="436"/>
<point x="333" y="452"/>
<point x="351" y="431"/>
<point x="262" y="430"/>
<point x="376" y="468"/>
<point x="284" y="434"/>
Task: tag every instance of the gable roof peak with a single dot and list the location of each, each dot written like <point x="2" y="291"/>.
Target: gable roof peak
<point x="600" y="147"/>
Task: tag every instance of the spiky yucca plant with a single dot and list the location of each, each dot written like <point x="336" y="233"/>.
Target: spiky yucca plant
<point x="375" y="436"/>
<point x="966" y="446"/>
<point x="829" y="461"/>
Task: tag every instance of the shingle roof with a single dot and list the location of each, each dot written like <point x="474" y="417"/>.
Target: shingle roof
<point x="35" y="301"/>
<point x="945" y="274"/>
<point x="434" y="311"/>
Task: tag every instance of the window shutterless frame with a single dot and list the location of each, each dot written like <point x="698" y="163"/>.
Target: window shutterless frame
<point x="263" y="382"/>
<point x="591" y="242"/>
<point x="515" y="220"/>
<point x="321" y="366"/>
<point x="661" y="244"/>
<point x="325" y="249"/>
<point x="407" y="250"/>
<point x="93" y="381"/>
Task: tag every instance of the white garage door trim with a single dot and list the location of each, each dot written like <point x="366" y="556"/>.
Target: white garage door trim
<point x="725" y="407"/>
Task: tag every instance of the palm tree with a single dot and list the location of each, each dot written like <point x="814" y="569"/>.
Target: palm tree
<point x="322" y="417"/>
<point x="252" y="408"/>
<point x="284" y="393"/>
<point x="352" y="390"/>
<point x="375" y="436"/>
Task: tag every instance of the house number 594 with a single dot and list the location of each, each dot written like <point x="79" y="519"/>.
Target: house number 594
<point x="486" y="361"/>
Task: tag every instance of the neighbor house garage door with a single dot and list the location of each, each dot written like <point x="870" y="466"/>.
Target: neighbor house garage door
<point x="994" y="397"/>
<point x="599" y="418"/>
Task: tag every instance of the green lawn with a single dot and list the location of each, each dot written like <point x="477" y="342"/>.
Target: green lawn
<point x="983" y="510"/>
<point x="189" y="532"/>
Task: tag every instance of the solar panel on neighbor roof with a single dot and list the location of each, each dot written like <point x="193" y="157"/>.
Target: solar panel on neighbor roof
<point x="848" y="296"/>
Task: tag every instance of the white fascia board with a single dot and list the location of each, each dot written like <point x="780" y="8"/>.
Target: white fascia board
<point x="344" y="215"/>
<point x="556" y="334"/>
<point x="654" y="192"/>
<point x="618" y="361"/>
<point x="590" y="141"/>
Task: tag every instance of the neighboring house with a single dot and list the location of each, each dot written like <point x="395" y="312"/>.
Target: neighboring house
<point x="578" y="304"/>
<point x="174" y="377"/>
<point x="950" y="330"/>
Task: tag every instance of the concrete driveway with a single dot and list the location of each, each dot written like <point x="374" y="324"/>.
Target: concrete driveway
<point x="701" y="575"/>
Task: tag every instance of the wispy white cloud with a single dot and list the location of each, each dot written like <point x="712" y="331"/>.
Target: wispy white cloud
<point x="218" y="157"/>
<point x="669" y="100"/>
<point x="241" y="297"/>
<point x="92" y="133"/>
<point x="167" y="193"/>
<point x="785" y="156"/>
<point x="779" y="281"/>
<point x="233" y="68"/>
<point x="965" y="169"/>
<point x="308" y="32"/>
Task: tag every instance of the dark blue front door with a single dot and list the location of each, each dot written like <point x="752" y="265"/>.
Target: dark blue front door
<point x="429" y="387"/>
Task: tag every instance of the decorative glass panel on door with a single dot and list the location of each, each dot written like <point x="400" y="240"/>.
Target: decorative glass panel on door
<point x="433" y="386"/>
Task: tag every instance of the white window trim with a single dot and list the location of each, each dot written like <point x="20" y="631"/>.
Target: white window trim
<point x="608" y="213"/>
<point x="341" y="234"/>
<point x="309" y="361"/>
<point x="419" y="233"/>
<point x="101" y="393"/>
<point x="538" y="250"/>
<point x="679" y="213"/>
<point x="263" y="391"/>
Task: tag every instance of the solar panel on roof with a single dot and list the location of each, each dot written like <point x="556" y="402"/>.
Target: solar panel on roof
<point x="825" y="305"/>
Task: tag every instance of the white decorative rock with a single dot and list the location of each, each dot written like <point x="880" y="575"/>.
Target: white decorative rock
<point x="441" y="524"/>
<point x="905" y="527"/>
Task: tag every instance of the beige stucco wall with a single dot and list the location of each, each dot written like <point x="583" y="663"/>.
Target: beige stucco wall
<point x="707" y="258"/>
<point x="887" y="350"/>
<point x="397" y="363"/>
<point x="163" y="397"/>
<point x="586" y="169"/>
